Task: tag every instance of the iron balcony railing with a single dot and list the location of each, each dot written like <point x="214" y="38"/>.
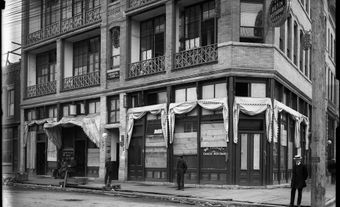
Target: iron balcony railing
<point x="90" y="16"/>
<point x="41" y="89"/>
<point x="81" y="81"/>
<point x="139" y="3"/>
<point x="146" y="67"/>
<point x="197" y="56"/>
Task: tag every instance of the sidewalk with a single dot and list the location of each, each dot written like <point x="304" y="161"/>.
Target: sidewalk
<point x="278" y="195"/>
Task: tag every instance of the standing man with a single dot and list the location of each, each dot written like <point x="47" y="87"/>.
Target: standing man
<point x="299" y="177"/>
<point x="181" y="169"/>
<point x="108" y="173"/>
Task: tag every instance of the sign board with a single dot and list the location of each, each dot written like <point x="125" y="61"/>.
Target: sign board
<point x="113" y="74"/>
<point x="278" y="12"/>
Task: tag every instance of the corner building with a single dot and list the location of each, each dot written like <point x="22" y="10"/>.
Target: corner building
<point x="142" y="82"/>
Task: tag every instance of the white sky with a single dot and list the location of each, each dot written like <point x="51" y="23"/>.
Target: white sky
<point x="11" y="29"/>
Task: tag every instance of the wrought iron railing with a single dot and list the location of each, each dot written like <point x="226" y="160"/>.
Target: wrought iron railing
<point x="34" y="37"/>
<point x="138" y="3"/>
<point x="41" y="89"/>
<point x="51" y="30"/>
<point x="81" y="81"/>
<point x="251" y="32"/>
<point x="197" y="56"/>
<point x="90" y="16"/>
<point x="147" y="67"/>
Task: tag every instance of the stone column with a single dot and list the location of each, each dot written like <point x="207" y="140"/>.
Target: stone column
<point x="59" y="65"/>
<point x="170" y="34"/>
<point x="123" y="153"/>
<point x="103" y="136"/>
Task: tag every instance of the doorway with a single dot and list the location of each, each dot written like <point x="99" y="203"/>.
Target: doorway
<point x="136" y="153"/>
<point x="41" y="158"/>
<point x="250" y="166"/>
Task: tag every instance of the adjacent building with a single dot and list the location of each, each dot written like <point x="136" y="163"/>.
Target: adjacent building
<point x="142" y="82"/>
<point x="10" y="105"/>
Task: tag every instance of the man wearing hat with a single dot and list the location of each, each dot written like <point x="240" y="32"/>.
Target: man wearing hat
<point x="181" y="170"/>
<point x="299" y="177"/>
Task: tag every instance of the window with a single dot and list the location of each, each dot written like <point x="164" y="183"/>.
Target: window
<point x="10" y="146"/>
<point x="30" y="114"/>
<point x="200" y="25"/>
<point x="66" y="110"/>
<point x="40" y="113"/>
<point x="46" y="64"/>
<point x="51" y="12"/>
<point x="93" y="106"/>
<point x="306" y="63"/>
<point x="301" y="50"/>
<point x="251" y="27"/>
<point x="77" y="7"/>
<point x="93" y="4"/>
<point x="66" y="7"/>
<point x="52" y="111"/>
<point x="282" y="37"/>
<point x="186" y="95"/>
<point x="115" y="48"/>
<point x="218" y="90"/>
<point x="10" y="102"/>
<point x="114" y="109"/>
<point x="295" y="43"/>
<point x="152" y="38"/>
<point x="289" y="40"/>
<point x="331" y="52"/>
<point x="86" y="56"/>
<point x="250" y="89"/>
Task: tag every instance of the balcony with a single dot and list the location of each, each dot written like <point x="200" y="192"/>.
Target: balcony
<point x="197" y="56"/>
<point x="81" y="81"/>
<point x="41" y="89"/>
<point x="146" y="67"/>
<point x="138" y="3"/>
<point x="89" y="17"/>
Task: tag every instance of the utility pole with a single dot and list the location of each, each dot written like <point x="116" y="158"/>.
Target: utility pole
<point x="318" y="142"/>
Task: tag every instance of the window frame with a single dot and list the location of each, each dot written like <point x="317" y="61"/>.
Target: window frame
<point x="116" y="110"/>
<point x="254" y="38"/>
<point x="46" y="67"/>
<point x="10" y="102"/>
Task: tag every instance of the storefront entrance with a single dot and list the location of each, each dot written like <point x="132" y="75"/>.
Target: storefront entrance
<point x="41" y="154"/>
<point x="250" y="159"/>
<point x="136" y="154"/>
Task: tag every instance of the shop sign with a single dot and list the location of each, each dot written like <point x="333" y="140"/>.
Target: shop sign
<point x="278" y="12"/>
<point x="113" y="74"/>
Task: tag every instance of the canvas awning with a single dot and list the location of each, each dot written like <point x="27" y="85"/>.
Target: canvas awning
<point x="90" y="125"/>
<point x="27" y="124"/>
<point x="252" y="106"/>
<point x="298" y="118"/>
<point x="139" y="112"/>
<point x="186" y="107"/>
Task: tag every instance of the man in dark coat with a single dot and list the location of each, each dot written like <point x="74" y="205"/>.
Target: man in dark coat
<point x="299" y="177"/>
<point x="108" y="173"/>
<point x="181" y="170"/>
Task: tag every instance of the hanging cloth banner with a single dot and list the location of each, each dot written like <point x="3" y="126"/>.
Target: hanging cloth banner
<point x="299" y="118"/>
<point x="90" y="125"/>
<point x="252" y="106"/>
<point x="186" y="107"/>
<point x="27" y="124"/>
<point x="139" y="112"/>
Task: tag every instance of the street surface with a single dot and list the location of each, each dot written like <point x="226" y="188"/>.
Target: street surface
<point x="17" y="197"/>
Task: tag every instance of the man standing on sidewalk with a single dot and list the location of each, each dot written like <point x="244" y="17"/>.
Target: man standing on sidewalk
<point x="108" y="173"/>
<point x="181" y="169"/>
<point x="299" y="177"/>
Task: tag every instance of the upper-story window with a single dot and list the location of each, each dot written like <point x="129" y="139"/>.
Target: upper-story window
<point x="251" y="27"/>
<point x="10" y="102"/>
<point x="86" y="56"/>
<point x="152" y="38"/>
<point x="200" y="25"/>
<point x="51" y="12"/>
<point x="247" y="89"/>
<point x="93" y="106"/>
<point x="114" y="109"/>
<point x="115" y="47"/>
<point x="186" y="94"/>
<point x="217" y="90"/>
<point x="295" y="43"/>
<point x="46" y="63"/>
<point x="52" y="111"/>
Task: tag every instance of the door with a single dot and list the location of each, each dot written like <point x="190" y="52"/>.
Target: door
<point x="80" y="158"/>
<point x="250" y="159"/>
<point x="41" y="158"/>
<point x="135" y="160"/>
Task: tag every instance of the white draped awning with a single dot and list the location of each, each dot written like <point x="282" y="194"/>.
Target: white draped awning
<point x="139" y="112"/>
<point x="90" y="125"/>
<point x="252" y="106"/>
<point x="299" y="118"/>
<point x="27" y="124"/>
<point x="186" y="107"/>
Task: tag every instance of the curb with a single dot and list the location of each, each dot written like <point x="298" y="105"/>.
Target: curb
<point x="160" y="196"/>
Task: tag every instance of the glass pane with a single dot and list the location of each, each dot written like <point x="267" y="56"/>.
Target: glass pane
<point x="180" y="95"/>
<point x="250" y="12"/>
<point x="208" y="92"/>
<point x="191" y="94"/>
<point x="258" y="90"/>
<point x="256" y="161"/>
<point x="244" y="148"/>
<point x="221" y="90"/>
<point x="162" y="98"/>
